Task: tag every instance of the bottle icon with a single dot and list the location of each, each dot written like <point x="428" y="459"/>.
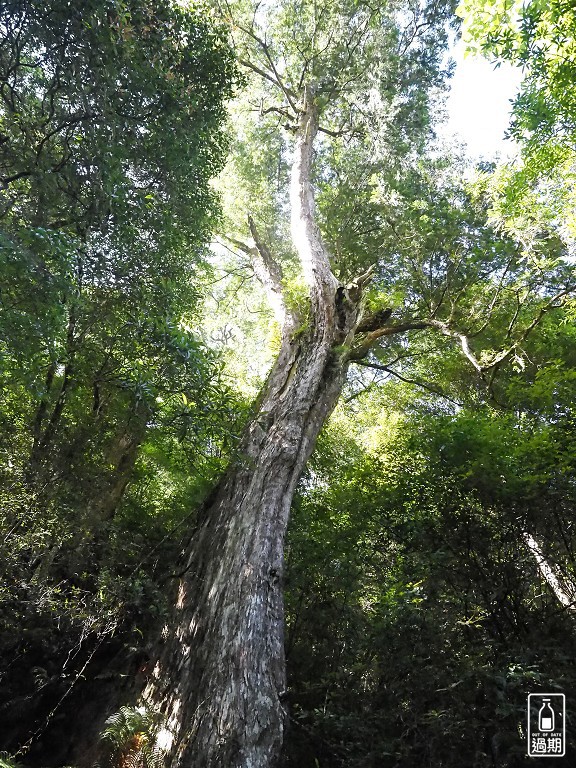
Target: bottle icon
<point x="546" y="717"/>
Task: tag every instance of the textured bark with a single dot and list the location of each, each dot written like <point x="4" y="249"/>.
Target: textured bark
<point x="220" y="678"/>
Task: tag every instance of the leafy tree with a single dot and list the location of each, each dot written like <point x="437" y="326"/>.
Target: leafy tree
<point x="111" y="127"/>
<point x="538" y="38"/>
<point x="339" y="102"/>
<point x="377" y="265"/>
<point x="416" y="614"/>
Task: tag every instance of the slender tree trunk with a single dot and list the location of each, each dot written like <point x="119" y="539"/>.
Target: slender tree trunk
<point x="43" y="437"/>
<point x="220" y="677"/>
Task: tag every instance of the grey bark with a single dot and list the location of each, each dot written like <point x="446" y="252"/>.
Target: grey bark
<point x="219" y="681"/>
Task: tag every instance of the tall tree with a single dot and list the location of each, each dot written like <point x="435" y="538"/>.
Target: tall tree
<point x="340" y="110"/>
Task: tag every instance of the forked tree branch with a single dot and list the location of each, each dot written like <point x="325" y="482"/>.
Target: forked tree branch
<point x="274" y="77"/>
<point x="445" y="329"/>
<point x="259" y="71"/>
<point x="369" y="341"/>
<point x="555" y="302"/>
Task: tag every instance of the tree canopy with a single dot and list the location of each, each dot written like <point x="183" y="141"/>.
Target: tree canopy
<point x="201" y="201"/>
<point x="538" y="38"/>
<point x="111" y="127"/>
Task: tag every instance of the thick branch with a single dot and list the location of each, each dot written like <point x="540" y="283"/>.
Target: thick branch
<point x="269" y="272"/>
<point x="361" y="350"/>
<point x="445" y="329"/>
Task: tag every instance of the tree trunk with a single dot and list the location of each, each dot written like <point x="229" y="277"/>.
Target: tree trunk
<point x="220" y="678"/>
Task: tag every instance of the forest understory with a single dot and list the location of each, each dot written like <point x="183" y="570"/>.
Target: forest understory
<point x="287" y="426"/>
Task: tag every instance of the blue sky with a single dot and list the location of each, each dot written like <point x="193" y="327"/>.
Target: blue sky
<point x="479" y="104"/>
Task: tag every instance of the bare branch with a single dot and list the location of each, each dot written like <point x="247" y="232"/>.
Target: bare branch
<point x="445" y="329"/>
<point x="277" y="110"/>
<point x="275" y="77"/>
<point x="359" y="352"/>
<point x="290" y="96"/>
<point x="555" y="302"/>
<point x="495" y="299"/>
<point x="259" y="71"/>
<point x="434" y="388"/>
<point x="514" y="317"/>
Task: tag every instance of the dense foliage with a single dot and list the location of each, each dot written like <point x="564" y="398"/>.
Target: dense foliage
<point x="418" y="618"/>
<point x="111" y="119"/>
<point x="419" y="621"/>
